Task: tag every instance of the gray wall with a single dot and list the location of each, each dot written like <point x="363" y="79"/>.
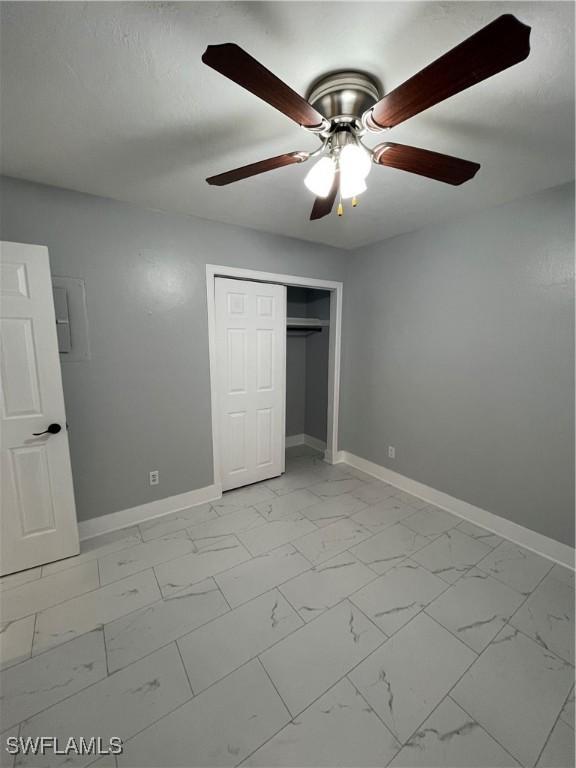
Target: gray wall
<point x="143" y="401"/>
<point x="458" y="350"/>
<point x="295" y="385"/>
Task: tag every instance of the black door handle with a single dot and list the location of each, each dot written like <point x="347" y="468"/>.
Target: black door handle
<point x="53" y="429"/>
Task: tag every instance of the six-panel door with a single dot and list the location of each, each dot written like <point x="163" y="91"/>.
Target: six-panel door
<point x="38" y="519"/>
<point x="251" y="379"/>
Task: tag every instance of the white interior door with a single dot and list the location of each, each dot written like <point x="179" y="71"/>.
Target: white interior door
<point x="38" y="520"/>
<point x="251" y="379"/>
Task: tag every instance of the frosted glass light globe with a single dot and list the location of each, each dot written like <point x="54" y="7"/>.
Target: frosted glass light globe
<point x="320" y="177"/>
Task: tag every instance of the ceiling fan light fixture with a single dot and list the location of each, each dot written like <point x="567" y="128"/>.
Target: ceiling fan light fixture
<point x="351" y="185"/>
<point x="355" y="160"/>
<point x="320" y="177"/>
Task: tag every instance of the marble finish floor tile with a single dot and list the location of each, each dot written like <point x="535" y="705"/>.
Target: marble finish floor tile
<point x="220" y="727"/>
<point x="562" y="574"/>
<point x="234" y="522"/>
<point x="336" y="487"/>
<point x="87" y="612"/>
<point x="333" y="508"/>
<point x="516" y="690"/>
<point x="480" y="534"/>
<point x="176" y="521"/>
<point x="6" y="759"/>
<point x="476" y="608"/>
<point x="548" y="617"/>
<point x="389" y="547"/>
<point x="567" y="715"/>
<point x="22" y="577"/>
<point x="43" y="593"/>
<point x="97" y="546"/>
<point x="16" y="641"/>
<point x="331" y="540"/>
<point x="218" y="648"/>
<point x="520" y="569"/>
<point x="451" y="554"/>
<point x="559" y="749"/>
<point x="305" y="664"/>
<point x="397" y="596"/>
<point x="119" y="565"/>
<point x="274" y="534"/>
<point x="280" y="506"/>
<point x="44" y="680"/>
<point x="411" y="500"/>
<point x="431" y="521"/>
<point x="410" y="674"/>
<point x="373" y="491"/>
<point x="451" y="739"/>
<point x="325" y="585"/>
<point x="141" y="632"/>
<point x="292" y="481"/>
<point x="243" y="497"/>
<point x="256" y="576"/>
<point x="212" y="556"/>
<point x="337" y="731"/>
<point x="120" y="705"/>
<point x="383" y="514"/>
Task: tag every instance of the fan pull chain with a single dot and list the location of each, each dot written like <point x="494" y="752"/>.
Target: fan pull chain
<point x="354" y="202"/>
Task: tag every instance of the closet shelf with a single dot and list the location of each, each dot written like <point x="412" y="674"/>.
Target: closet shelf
<point x="310" y="323"/>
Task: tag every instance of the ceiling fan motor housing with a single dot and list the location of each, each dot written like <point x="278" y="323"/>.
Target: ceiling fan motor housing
<point x="344" y="96"/>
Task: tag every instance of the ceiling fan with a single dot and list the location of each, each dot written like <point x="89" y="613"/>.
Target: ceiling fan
<point x="342" y="106"/>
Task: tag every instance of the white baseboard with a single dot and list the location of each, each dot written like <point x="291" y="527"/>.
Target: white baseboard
<point x="126" y="517"/>
<point x="536" y="542"/>
<point x="303" y="439"/>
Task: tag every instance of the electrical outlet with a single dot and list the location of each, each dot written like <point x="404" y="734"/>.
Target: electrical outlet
<point x="154" y="477"/>
<point x="391" y="452"/>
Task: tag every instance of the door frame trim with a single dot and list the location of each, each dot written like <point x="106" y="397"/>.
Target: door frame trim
<point x="335" y="339"/>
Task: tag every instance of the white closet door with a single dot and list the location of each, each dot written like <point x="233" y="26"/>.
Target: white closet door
<point x="251" y="379"/>
<point x="38" y="520"/>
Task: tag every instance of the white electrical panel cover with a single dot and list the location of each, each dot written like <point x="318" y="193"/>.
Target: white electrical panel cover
<point x="71" y="318"/>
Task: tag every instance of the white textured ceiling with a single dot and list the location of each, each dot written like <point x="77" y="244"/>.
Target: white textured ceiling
<point x="112" y="99"/>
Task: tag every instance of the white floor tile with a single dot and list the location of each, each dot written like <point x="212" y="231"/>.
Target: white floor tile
<point x="17" y="579"/>
<point x="177" y="521"/>
<point x="87" y="612"/>
<point x="141" y="632"/>
<point x="275" y="533"/>
<point x="256" y="576"/>
<point x="333" y="508"/>
<point x="42" y="593"/>
<point x="279" y="506"/>
<point x="566" y="575"/>
<point x="431" y="521"/>
<point x="516" y="690"/>
<point x="304" y="665"/>
<point x="6" y="759"/>
<point x="44" y="680"/>
<point x="212" y="556"/>
<point x="292" y="481"/>
<point x="520" y="569"/>
<point x="451" y="739"/>
<point x="480" y="534"/>
<point x="373" y="491"/>
<point x="218" y="648"/>
<point x="243" y="497"/>
<point x="383" y="514"/>
<point x="548" y="617"/>
<point x="326" y="584"/>
<point x="411" y="500"/>
<point x="336" y="487"/>
<point x="567" y="715"/>
<point x="559" y="750"/>
<point x="240" y="520"/>
<point x="331" y="540"/>
<point x="220" y="727"/>
<point x="120" y="705"/>
<point x="119" y="565"/>
<point x="476" y="608"/>
<point x="397" y="596"/>
<point x="451" y="555"/>
<point x="338" y="730"/>
<point x="386" y="549"/>
<point x="98" y="546"/>
<point x="411" y="673"/>
<point x="16" y="641"/>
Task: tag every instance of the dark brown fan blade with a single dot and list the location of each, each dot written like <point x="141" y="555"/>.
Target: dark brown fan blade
<point x="255" y="168"/>
<point x="501" y="44"/>
<point x="450" y="170"/>
<point x="233" y="62"/>
<point x="323" y="205"/>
